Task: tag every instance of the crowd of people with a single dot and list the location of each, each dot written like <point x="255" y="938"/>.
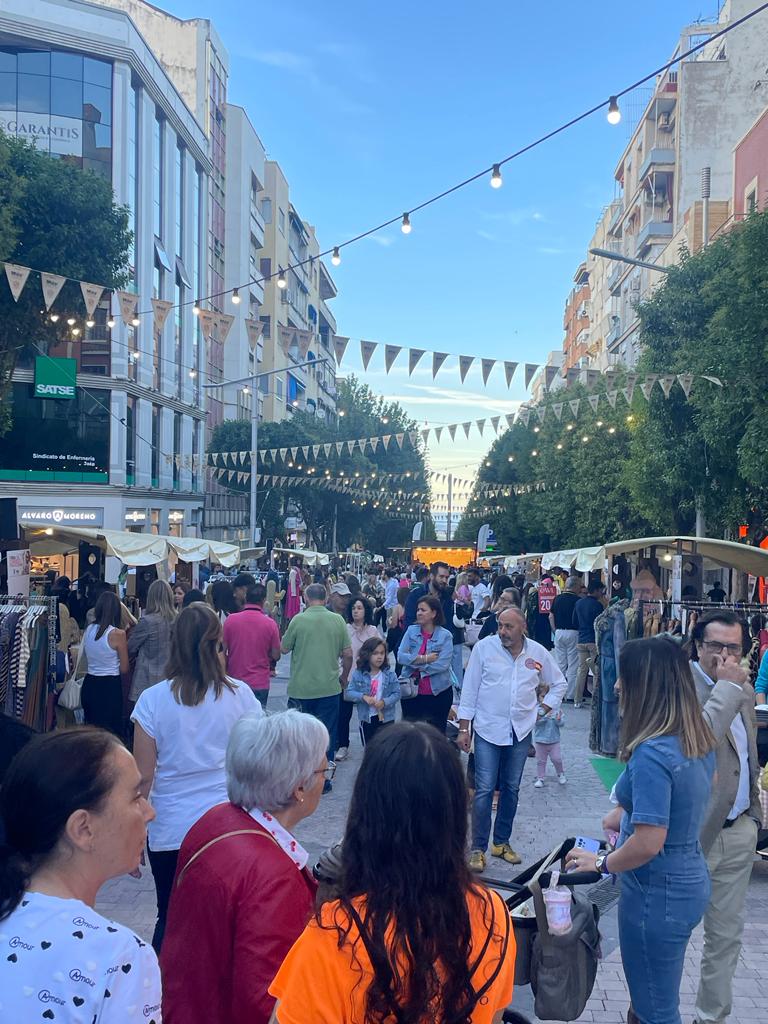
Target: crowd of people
<point x="216" y="785"/>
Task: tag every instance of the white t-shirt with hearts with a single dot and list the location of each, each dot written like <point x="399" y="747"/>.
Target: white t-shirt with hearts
<point x="62" y="962"/>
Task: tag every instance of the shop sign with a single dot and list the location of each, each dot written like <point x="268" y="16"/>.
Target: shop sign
<point x="54" y="378"/>
<point x="136" y="515"/>
<point x="35" y="515"/>
<point x="175" y="516"/>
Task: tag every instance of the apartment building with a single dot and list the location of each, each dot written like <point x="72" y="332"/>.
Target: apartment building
<point x="750" y="171"/>
<point x="576" y="319"/>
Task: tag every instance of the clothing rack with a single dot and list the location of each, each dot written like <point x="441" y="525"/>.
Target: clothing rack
<point x="22" y="604"/>
<point x="664" y="606"/>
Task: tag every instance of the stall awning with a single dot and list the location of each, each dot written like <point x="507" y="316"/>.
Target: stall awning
<point x="580" y="559"/>
<point x="726" y="553"/>
<point x="135" y="548"/>
<point x="309" y="557"/>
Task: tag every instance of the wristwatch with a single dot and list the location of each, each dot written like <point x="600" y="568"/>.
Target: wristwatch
<point x="600" y="863"/>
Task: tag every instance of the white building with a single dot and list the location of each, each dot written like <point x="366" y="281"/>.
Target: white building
<point x="136" y="424"/>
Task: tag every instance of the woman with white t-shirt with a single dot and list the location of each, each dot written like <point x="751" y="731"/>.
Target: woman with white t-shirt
<point x="74" y="817"/>
<point x="182" y="727"/>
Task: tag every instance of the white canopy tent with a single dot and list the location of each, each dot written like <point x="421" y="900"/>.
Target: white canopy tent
<point x="725" y="553"/>
<point x="132" y="548"/>
<point x="309" y="557"/>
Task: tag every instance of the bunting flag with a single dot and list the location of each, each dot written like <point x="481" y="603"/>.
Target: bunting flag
<point x="466" y="427"/>
<point x="650" y="379"/>
<point x="464" y="364"/>
<point x="557" y="409"/>
<point x="685" y="380"/>
<point x="541" y="412"/>
<point x="487" y="366"/>
<point x="129" y="306"/>
<point x="91" y="297"/>
<point x="17" y="278"/>
<point x="400" y="438"/>
<point x="414" y="355"/>
<point x="574" y="404"/>
<point x="304" y="340"/>
<point x="161" y="308"/>
<point x="509" y="371"/>
<point x="438" y="358"/>
<point x="339" y="347"/>
<point x="713" y="380"/>
<point x="550" y="372"/>
<point x="594" y="401"/>
<point x="495" y="423"/>
<point x="207" y="320"/>
<point x="438" y="433"/>
<point x="530" y="370"/>
<point x="647" y="388"/>
<point x="628" y="393"/>
<point x="666" y="382"/>
<point x="510" y="418"/>
<point x="524" y="414"/>
<point x="327" y="450"/>
<point x="52" y="285"/>
<point x="481" y="426"/>
<point x="253" y="328"/>
<point x="391" y="352"/>
<point x="339" y="447"/>
<point x="367" y="348"/>
<point x="452" y="430"/>
<point x="385" y="441"/>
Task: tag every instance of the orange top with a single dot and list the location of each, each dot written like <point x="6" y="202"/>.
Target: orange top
<point x="319" y="982"/>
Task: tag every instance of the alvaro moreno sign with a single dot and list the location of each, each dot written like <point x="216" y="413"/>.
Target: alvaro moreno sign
<point x="55" y="378"/>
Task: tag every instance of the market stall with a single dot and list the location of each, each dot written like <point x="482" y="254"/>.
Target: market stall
<point x="312" y="558"/>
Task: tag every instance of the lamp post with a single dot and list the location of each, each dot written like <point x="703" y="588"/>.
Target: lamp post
<point x="253" y="380"/>
<point x="608" y="255"/>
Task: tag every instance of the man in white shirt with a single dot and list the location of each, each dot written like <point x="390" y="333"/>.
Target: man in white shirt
<point x="499" y="696"/>
<point x="481" y="594"/>
<point x="391" y="587"/>
<point x="729" y="834"/>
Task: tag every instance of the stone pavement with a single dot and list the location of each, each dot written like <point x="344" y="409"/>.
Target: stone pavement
<point x="545" y="817"/>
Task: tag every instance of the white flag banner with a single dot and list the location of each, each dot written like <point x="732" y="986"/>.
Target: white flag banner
<point x="367" y="348"/>
<point x="550" y="372"/>
<point x="438" y="433"/>
<point x="413" y="437"/>
<point x="466" y="427"/>
<point x="480" y="426"/>
<point x="304" y="341"/>
<point x="495" y="423"/>
<point x="160" y="310"/>
<point x="425" y="436"/>
<point x="91" y="297"/>
<point x="400" y="438"/>
<point x="129" y="305"/>
<point x="530" y="370"/>
<point x="541" y="412"/>
<point x="327" y="449"/>
<point x="385" y="439"/>
<point x="685" y="380"/>
<point x="464" y="364"/>
<point x="438" y="358"/>
<point x="253" y="329"/>
<point x="294" y="453"/>
<point x="646" y="389"/>
<point x="391" y="352"/>
<point x="712" y="380"/>
<point x="350" y="447"/>
<point x="524" y="414"/>
<point x="594" y="401"/>
<point x="631" y="380"/>
<point x="575" y="403"/>
<point x="509" y="371"/>
<point x="17" y="278"/>
<point x="339" y="447"/>
<point x="339" y="347"/>
<point x="52" y="285"/>
<point x="452" y="430"/>
<point x="510" y="418"/>
<point x="557" y="409"/>
<point x="628" y="393"/>
<point x="612" y="396"/>
<point x="650" y="380"/>
<point x="414" y="355"/>
<point x="207" y="320"/>
<point x="666" y="382"/>
<point x="488" y="365"/>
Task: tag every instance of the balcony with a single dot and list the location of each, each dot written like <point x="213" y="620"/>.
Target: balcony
<point x="616" y="218"/>
<point x="654" y="231"/>
<point x="615" y="275"/>
<point x="615" y="332"/>
<point x="656" y="159"/>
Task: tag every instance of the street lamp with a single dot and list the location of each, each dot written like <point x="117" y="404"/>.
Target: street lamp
<point x="608" y="255"/>
<point x="253" y="381"/>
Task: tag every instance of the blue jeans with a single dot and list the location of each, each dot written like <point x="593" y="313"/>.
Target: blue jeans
<point x="457" y="664"/>
<point x="324" y="708"/>
<point x="493" y="762"/>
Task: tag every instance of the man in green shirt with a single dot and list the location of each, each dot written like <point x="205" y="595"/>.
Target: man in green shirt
<point x="317" y="638"/>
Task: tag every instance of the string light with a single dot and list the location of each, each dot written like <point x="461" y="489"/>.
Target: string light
<point x="71" y="321"/>
<point x="336" y="258"/>
<point x="496" y="179"/>
<point x="510" y="458"/>
<point x="90" y="323"/>
<point x="54" y="318"/>
<point x="405" y="227"/>
<point x="75" y="331"/>
<point x="630" y="418"/>
<point x="585" y="439"/>
<point x="569" y="427"/>
<point x="559" y="447"/>
<point x="614" y="114"/>
<point x="111" y="323"/>
<point x="611" y="430"/>
<point x="196" y="308"/>
<point x="536" y="430"/>
<point x="599" y="423"/>
<point x="281" y="279"/>
<point x="534" y="452"/>
<point x="135" y="322"/>
<point x="193" y="374"/>
<point x="236" y="297"/>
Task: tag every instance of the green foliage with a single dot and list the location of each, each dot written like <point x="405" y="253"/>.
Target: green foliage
<point x="365" y="414"/>
<point x="59" y="219"/>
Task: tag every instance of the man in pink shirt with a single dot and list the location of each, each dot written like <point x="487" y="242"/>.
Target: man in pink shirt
<point x="252" y="643"/>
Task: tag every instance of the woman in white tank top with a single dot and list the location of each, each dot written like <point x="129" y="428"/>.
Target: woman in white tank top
<point x="106" y="653"/>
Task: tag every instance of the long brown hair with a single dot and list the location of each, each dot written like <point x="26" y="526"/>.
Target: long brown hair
<point x="366" y="651"/>
<point x="194" y="664"/>
<point x="658" y="698"/>
<point x="106" y="613"/>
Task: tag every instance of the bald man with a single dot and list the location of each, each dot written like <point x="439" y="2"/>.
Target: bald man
<point x="499" y="698"/>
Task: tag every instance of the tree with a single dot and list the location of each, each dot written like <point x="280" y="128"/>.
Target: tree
<point x="58" y="219"/>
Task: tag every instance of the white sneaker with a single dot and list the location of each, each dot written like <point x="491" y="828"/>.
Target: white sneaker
<point x="342" y="753"/>
<point x="562" y="779"/>
<point x="538" y="784"/>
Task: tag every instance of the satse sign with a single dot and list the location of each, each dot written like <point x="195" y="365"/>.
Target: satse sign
<point x="55" y="378"/>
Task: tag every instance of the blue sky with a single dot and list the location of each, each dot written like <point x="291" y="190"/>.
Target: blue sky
<point x="371" y="108"/>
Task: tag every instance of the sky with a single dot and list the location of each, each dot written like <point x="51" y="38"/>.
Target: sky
<point x="372" y="108"/>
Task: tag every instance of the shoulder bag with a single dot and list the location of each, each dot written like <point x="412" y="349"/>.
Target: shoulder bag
<point x="71" y="692"/>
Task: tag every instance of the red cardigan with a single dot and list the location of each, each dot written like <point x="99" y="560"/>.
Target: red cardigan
<point x="233" y="916"/>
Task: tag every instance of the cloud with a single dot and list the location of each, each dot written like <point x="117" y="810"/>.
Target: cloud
<point x="487" y="235"/>
<point x="548" y="250"/>
<point x="301" y="66"/>
<point x="514" y="217"/>
<point x="285" y="60"/>
<point x="383" y="240"/>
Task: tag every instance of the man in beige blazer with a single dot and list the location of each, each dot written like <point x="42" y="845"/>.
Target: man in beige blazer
<point x="729" y="833"/>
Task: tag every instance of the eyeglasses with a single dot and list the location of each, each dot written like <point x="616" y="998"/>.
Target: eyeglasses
<point x="718" y="648"/>
<point x="328" y="772"/>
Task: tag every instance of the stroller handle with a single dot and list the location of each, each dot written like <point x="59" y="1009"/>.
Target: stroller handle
<point x="574" y="878"/>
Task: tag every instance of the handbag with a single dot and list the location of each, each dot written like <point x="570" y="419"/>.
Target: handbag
<point x="71" y="693"/>
<point x="472" y="633"/>
<point x="409" y="687"/>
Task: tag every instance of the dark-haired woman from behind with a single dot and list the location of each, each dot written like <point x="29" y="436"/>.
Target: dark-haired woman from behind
<point x="106" y="653"/>
<point x="74" y="817"/>
<point x="182" y="727"/>
<point x="411" y="936"/>
<point x="663" y="796"/>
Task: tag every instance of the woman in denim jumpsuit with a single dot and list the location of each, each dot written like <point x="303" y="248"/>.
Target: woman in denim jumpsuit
<point x="663" y="795"/>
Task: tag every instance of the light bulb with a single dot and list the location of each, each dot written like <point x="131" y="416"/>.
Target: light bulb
<point x="585" y="438"/>
<point x="135" y="321"/>
<point x="245" y="390"/>
<point x="569" y="427"/>
<point x="536" y="430"/>
<point x="281" y="281"/>
<point x="599" y="423"/>
<point x="496" y="179"/>
<point x="90" y="323"/>
<point x="54" y="318"/>
<point x="193" y="374"/>
<point x="534" y="452"/>
<point x="236" y="297"/>
<point x="336" y="258"/>
<point x="630" y="418"/>
<point x="510" y="458"/>
<point x="71" y="321"/>
<point x="405" y="227"/>
<point x="342" y="413"/>
<point x="110" y="323"/>
<point x="614" y="114"/>
<point x="559" y="447"/>
<point x="196" y="308"/>
<point x="611" y="430"/>
<point x="75" y="331"/>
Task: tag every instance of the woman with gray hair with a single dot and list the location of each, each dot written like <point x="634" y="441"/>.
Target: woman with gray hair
<point x="242" y="883"/>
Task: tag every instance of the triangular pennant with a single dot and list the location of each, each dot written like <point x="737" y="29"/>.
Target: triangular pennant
<point x="316" y="450"/>
<point x="339" y="347"/>
<point x="413" y="437"/>
<point x="91" y="297"/>
<point x="425" y="436"/>
<point x="650" y="380"/>
<point x="414" y="355"/>
<point x="52" y="285"/>
<point x="480" y="426"/>
<point x="438" y="433"/>
<point x="367" y="348"/>
<point x="524" y="414"/>
<point x="510" y="418"/>
<point x="391" y="352"/>
<point x="305" y="340"/>
<point x="530" y="370"/>
<point x="685" y="380"/>
<point x="466" y="427"/>
<point x="452" y="430"/>
<point x="160" y="309"/>
<point x="628" y="392"/>
<point x="464" y="364"/>
<point x="350" y="447"/>
<point x="488" y="365"/>
<point x="207" y="320"/>
<point x="225" y="326"/>
<point x="339" y="447"/>
<point x="541" y="412"/>
<point x="612" y="396"/>
<point x="712" y="380"/>
<point x="385" y="441"/>
<point x="594" y="401"/>
<point x="253" y="329"/>
<point x="283" y="453"/>
<point x="438" y="358"/>
<point x="495" y="423"/>
<point x="294" y="453"/>
<point x="129" y="305"/>
<point x="400" y="438"/>
<point x="666" y="383"/>
<point x="550" y="372"/>
<point x="17" y="278"/>
<point x="574" y="403"/>
<point x="327" y="449"/>
<point x="557" y="409"/>
<point x="509" y="371"/>
<point x="647" y="388"/>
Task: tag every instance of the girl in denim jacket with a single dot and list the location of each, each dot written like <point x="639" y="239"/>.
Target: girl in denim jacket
<point x="374" y="687"/>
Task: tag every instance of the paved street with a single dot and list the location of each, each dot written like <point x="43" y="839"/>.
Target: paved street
<point x="545" y="817"/>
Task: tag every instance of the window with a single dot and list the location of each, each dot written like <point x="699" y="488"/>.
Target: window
<point x="66" y="97"/>
<point x="157" y="337"/>
<point x="176" y="449"/>
<point x="266" y="210"/>
<point x="97" y="72"/>
<point x="157" y="178"/>
<point x="34" y="94"/>
<point x="35" y="62"/>
<point x="179" y="299"/>
<point x="750" y="203"/>
<point x="266" y="331"/>
<point x="279" y="388"/>
<point x="195" y="454"/>
<point x="155" y="446"/>
<point x="130" y="440"/>
<point x="133" y="171"/>
<point x="265" y="267"/>
<point x="7" y="90"/>
<point x="67" y="65"/>
<point x="281" y="221"/>
<point x="180" y="197"/>
<point x="97" y="103"/>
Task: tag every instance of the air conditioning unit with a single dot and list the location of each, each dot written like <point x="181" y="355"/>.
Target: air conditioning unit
<point x="665" y="121"/>
<point x="582" y="313"/>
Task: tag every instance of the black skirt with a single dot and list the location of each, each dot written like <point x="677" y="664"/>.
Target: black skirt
<point x="102" y="700"/>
